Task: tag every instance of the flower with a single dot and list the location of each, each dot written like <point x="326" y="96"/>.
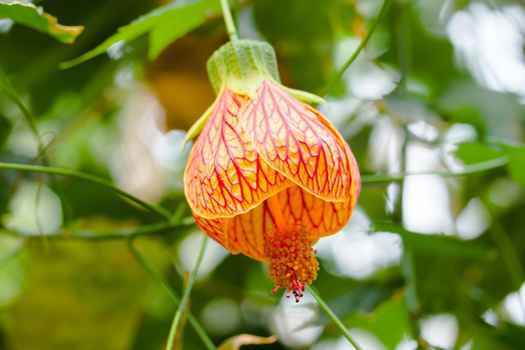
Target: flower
<point x="269" y="175"/>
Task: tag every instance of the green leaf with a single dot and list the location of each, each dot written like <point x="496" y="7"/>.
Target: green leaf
<point x="166" y="24"/>
<point x="505" y="337"/>
<point x="5" y="129"/>
<point x="391" y="315"/>
<point x="471" y="153"/>
<point x="437" y="245"/>
<point x="475" y="152"/>
<point x="35" y="17"/>
<point x="179" y="23"/>
<point x="517" y="164"/>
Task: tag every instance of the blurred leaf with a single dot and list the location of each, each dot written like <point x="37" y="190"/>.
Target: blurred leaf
<point x="180" y="22"/>
<point x="475" y="152"/>
<point x="505" y="337"/>
<point x="12" y="278"/>
<point x="436" y="245"/>
<point x="166" y="24"/>
<point x="147" y="334"/>
<point x="500" y="112"/>
<point x="517" y="164"/>
<point x="34" y="17"/>
<point x="391" y="315"/>
<point x="5" y="129"/>
<point x="466" y="114"/>
<point x="76" y="298"/>
<point x="235" y="343"/>
<point x="12" y="274"/>
<point x="304" y="50"/>
<point x="415" y="49"/>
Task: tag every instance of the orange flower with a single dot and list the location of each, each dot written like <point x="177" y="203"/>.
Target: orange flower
<point x="269" y="175"/>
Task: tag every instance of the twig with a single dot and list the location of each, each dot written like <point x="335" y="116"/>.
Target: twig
<point x="186" y="295"/>
<point x="87" y="177"/>
<point x="469" y="170"/>
<point x="9" y="90"/>
<point x="83" y="235"/>
<point x="360" y="48"/>
<point x="408" y="268"/>
<point x="159" y="279"/>
<point x="333" y="317"/>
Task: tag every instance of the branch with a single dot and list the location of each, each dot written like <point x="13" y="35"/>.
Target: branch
<point x="360" y="48"/>
<point x="90" y="178"/>
<point x="9" y="91"/>
<point x="81" y="235"/>
<point x="469" y="170"/>
<point x="172" y="293"/>
<point x="186" y="295"/>
<point x="322" y="304"/>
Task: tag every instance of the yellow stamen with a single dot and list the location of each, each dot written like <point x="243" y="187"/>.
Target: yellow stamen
<point x="292" y="261"/>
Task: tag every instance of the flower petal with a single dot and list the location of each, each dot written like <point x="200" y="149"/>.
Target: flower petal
<point x="315" y="216"/>
<point x="214" y="228"/>
<point x="293" y="207"/>
<point x="299" y="142"/>
<point x="225" y="176"/>
<point x="237" y="234"/>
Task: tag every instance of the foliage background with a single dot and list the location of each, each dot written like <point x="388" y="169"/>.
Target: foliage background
<point x="437" y="258"/>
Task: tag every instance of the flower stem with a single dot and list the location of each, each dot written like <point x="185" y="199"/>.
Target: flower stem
<point x="186" y="295"/>
<point x="469" y="170"/>
<point x="87" y="177"/>
<point x="334" y="317"/>
<point x="158" y="278"/>
<point x="228" y="20"/>
<point x="356" y="53"/>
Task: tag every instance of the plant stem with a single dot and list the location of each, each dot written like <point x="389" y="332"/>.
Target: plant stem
<point x="333" y="316"/>
<point x="186" y="295"/>
<point x="87" y="177"/>
<point x="9" y="90"/>
<point x="83" y="235"/>
<point x="360" y="48"/>
<point x="469" y="170"/>
<point x="158" y="278"/>
<point x="408" y="268"/>
<point x="366" y="179"/>
<point x="228" y="20"/>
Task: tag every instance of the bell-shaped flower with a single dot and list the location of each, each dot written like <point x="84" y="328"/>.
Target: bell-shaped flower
<point x="269" y="175"/>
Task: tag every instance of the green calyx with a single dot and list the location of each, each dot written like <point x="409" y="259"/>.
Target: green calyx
<point x="241" y="65"/>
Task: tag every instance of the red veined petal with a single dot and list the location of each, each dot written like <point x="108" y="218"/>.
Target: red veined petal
<point x="225" y="176"/>
<point x="236" y="234"/>
<point x="289" y="210"/>
<point x="299" y="142"/>
<point x="214" y="228"/>
<point x="313" y="215"/>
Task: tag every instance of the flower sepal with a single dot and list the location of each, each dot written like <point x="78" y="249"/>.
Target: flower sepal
<point x="197" y="127"/>
<point x="242" y="65"/>
<point x="304" y="96"/>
